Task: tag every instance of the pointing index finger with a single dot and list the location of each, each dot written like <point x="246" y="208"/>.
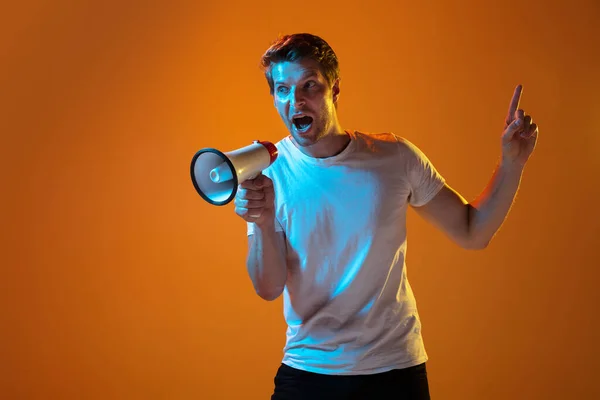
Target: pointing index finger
<point x="514" y="104"/>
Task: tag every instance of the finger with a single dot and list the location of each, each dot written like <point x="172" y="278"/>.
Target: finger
<point x="249" y="184"/>
<point x="511" y="130"/>
<point x="526" y="126"/>
<point x="519" y="114"/>
<point x="249" y="194"/>
<point x="514" y="104"/>
<point x="254" y="215"/>
<point x="258" y="182"/>
<point x="250" y="215"/>
<point x="530" y="132"/>
<point x="242" y="203"/>
<point x="263" y="181"/>
<point x="269" y="196"/>
<point x="531" y="141"/>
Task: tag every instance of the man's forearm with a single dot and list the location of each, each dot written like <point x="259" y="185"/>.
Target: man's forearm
<point x="489" y="210"/>
<point x="266" y="262"/>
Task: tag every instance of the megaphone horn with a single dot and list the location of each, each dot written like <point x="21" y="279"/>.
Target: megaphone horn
<point x="216" y="175"/>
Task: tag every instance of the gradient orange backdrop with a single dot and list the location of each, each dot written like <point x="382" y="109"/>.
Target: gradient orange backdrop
<point x="119" y="282"/>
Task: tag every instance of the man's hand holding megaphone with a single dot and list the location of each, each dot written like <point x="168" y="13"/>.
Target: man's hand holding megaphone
<point x="255" y="201"/>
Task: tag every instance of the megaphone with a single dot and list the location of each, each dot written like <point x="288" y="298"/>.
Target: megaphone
<point x="216" y="175"/>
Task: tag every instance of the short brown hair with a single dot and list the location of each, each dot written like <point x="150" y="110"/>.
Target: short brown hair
<point x="298" y="46"/>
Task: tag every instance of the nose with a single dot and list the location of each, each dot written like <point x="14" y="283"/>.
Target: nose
<point x="297" y="99"/>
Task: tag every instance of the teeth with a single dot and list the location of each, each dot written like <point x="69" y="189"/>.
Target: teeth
<point x="299" y="126"/>
<point x="299" y="129"/>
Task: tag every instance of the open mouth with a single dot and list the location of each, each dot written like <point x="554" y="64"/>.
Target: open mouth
<point x="303" y="123"/>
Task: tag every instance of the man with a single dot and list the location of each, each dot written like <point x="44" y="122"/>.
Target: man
<point x="327" y="229"/>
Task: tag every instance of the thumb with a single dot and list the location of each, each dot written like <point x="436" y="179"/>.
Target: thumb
<point x="259" y="181"/>
<point x="266" y="182"/>
<point x="511" y="130"/>
<point x="262" y="181"/>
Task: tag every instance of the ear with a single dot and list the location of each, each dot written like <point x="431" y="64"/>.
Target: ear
<point x="335" y="89"/>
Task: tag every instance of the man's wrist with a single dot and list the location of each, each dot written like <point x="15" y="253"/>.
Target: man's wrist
<point x="265" y="226"/>
<point x="511" y="168"/>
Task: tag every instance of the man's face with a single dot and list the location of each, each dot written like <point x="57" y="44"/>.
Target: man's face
<point x="304" y="100"/>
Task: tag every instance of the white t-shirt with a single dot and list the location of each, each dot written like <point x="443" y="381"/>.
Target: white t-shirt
<point x="347" y="301"/>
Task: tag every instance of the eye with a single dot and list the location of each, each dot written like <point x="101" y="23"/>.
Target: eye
<point x="282" y="89"/>
<point x="310" y="84"/>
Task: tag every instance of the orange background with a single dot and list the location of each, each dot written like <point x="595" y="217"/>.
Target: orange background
<point x="119" y="282"/>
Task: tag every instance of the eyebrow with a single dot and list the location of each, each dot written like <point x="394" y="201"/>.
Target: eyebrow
<point x="308" y="74"/>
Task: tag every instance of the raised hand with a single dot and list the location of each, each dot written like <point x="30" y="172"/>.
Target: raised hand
<point x="520" y="133"/>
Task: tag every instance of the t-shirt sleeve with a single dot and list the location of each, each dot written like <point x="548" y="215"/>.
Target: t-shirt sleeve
<point x="425" y="181"/>
<point x="251" y="226"/>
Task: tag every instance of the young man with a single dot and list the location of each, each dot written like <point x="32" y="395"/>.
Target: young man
<point x="327" y="228"/>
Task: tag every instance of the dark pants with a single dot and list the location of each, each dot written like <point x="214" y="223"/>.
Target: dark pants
<point x="398" y="384"/>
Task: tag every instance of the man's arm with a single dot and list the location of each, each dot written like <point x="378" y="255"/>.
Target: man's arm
<point x="473" y="225"/>
<point x="266" y="262"/>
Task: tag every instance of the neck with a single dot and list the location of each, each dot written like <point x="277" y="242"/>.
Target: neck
<point x="331" y="144"/>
